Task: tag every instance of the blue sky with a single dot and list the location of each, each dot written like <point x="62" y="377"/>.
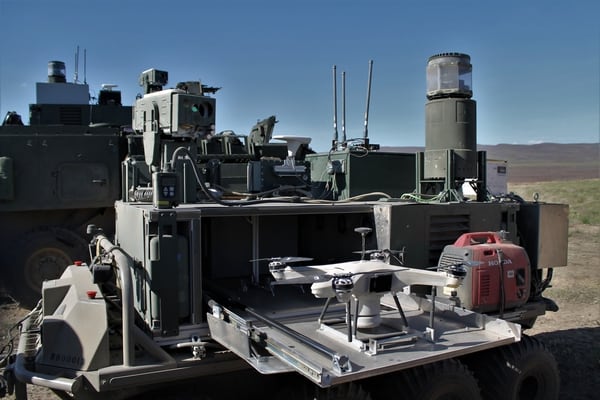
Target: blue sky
<point x="536" y="69"/>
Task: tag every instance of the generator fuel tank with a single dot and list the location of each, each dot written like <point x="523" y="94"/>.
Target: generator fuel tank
<point x="498" y="271"/>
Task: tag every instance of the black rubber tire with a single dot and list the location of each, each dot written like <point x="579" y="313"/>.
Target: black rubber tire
<point x="523" y="370"/>
<point x="42" y="255"/>
<point x="443" y="380"/>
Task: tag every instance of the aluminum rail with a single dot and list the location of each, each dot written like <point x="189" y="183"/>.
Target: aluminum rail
<point x="338" y="359"/>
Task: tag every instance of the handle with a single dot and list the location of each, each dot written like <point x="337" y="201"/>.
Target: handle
<point x="474" y="238"/>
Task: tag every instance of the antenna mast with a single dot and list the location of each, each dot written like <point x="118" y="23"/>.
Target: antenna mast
<point x="335" y="130"/>
<point x="76" y="77"/>
<point x="366" y="134"/>
<point x="84" y="65"/>
<point x="344" y="107"/>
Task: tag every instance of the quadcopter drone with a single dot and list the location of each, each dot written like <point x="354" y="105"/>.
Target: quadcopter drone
<point x="364" y="281"/>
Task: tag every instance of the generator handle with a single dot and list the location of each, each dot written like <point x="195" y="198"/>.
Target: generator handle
<point x="473" y="238"/>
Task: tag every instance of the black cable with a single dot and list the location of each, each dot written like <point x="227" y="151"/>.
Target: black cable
<point x="9" y="343"/>
<point x="502" y="287"/>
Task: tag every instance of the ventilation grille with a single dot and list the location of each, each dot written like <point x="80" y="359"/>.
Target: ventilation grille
<point x="484" y="287"/>
<point x="444" y="230"/>
<point x="450" y="259"/>
<point x="70" y="116"/>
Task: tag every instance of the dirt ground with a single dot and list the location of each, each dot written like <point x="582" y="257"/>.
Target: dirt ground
<point x="572" y="333"/>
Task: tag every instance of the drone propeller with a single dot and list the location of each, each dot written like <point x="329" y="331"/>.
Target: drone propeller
<point x="466" y="263"/>
<point x="285" y="260"/>
<point x="367" y="251"/>
<point x="385" y="251"/>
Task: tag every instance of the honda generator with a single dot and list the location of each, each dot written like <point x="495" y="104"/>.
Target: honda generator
<point x="498" y="271"/>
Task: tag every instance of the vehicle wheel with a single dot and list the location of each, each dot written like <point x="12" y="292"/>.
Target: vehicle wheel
<point x="43" y="255"/>
<point x="443" y="380"/>
<point x="523" y="370"/>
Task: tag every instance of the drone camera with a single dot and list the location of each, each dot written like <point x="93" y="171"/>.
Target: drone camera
<point x="380" y="283"/>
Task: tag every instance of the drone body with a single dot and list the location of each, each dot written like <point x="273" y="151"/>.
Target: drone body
<point x="364" y="282"/>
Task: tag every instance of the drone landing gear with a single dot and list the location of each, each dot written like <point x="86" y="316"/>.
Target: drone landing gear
<point x="371" y="343"/>
<point x="368" y="340"/>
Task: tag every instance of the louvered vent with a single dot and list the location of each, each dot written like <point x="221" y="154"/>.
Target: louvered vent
<point x="444" y="230"/>
<point x="450" y="259"/>
<point x="484" y="287"/>
<point x="70" y="116"/>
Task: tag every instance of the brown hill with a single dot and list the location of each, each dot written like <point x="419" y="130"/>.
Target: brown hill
<point x="540" y="162"/>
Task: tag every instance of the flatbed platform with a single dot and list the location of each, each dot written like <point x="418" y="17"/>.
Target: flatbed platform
<point x="320" y="350"/>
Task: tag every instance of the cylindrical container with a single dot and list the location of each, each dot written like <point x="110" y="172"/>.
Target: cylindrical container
<point x="57" y="72"/>
<point x="450" y="124"/>
<point x="449" y="75"/>
<point x="450" y="118"/>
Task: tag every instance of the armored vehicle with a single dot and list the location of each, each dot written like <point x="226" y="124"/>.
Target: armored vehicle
<point x="233" y="255"/>
<point x="57" y="175"/>
<point x="63" y="171"/>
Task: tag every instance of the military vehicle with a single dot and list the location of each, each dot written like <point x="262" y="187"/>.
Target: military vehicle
<point x="57" y="175"/>
<point x="320" y="270"/>
<point x="62" y="172"/>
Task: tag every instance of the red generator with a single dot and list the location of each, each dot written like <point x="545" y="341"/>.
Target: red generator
<point x="498" y="271"/>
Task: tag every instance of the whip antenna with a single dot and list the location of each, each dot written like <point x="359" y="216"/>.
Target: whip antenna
<point x="344" y="107"/>
<point x="76" y="77"/>
<point x="84" y="65"/>
<point x="335" y="130"/>
<point x="366" y="134"/>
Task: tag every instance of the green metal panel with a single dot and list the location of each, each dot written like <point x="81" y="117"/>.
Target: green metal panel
<point x="168" y="276"/>
<point x="349" y="173"/>
<point x="62" y="167"/>
<point x="450" y="124"/>
<point x="424" y="229"/>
